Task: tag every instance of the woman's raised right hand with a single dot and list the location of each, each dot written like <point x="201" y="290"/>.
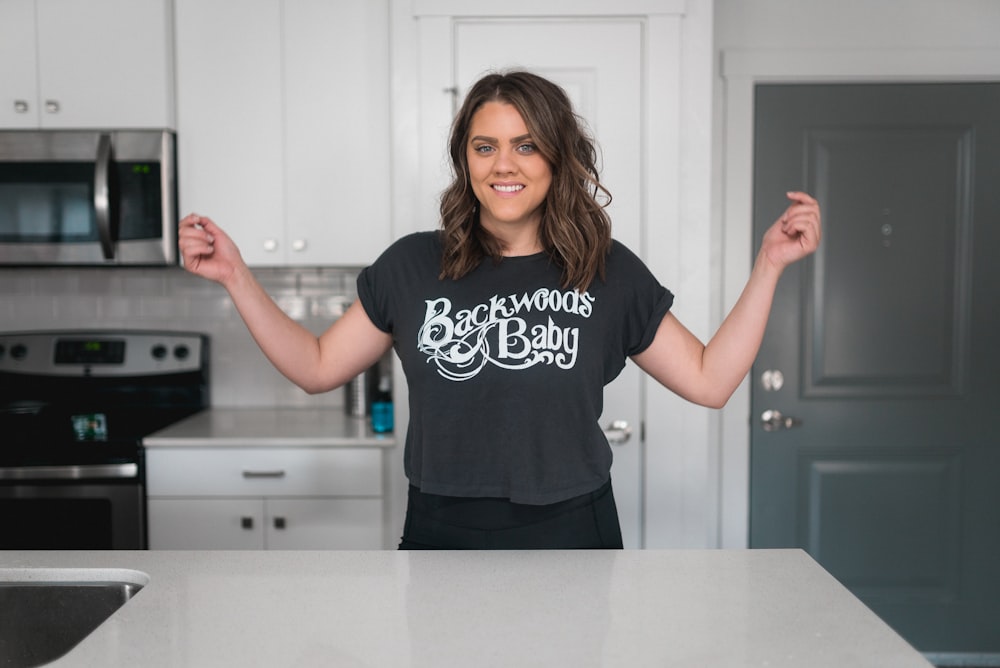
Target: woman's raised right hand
<point x="206" y="249"/>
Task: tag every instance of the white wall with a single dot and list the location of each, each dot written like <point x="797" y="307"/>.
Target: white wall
<point x="812" y="40"/>
<point x="846" y="24"/>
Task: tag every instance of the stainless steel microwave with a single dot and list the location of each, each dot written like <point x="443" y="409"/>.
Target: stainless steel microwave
<point x="73" y="197"/>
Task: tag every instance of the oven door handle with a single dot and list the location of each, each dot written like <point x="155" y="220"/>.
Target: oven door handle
<point x="80" y="472"/>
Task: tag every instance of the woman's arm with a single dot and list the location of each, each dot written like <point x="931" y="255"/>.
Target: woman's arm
<point x="709" y="374"/>
<point x="316" y="364"/>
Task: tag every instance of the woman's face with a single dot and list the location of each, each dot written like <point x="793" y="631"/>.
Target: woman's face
<point x="507" y="172"/>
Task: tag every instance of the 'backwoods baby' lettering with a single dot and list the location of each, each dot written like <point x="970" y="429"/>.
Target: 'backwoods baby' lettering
<point x="495" y="332"/>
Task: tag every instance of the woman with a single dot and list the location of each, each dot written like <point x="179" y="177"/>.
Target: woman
<point x="509" y="322"/>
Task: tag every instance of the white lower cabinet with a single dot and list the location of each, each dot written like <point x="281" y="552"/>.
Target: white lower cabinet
<point x="265" y="498"/>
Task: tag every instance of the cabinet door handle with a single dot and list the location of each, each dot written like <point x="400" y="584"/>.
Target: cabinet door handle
<point x="21" y="106"/>
<point x="52" y="106"/>
<point x="246" y="522"/>
<point x="277" y="473"/>
<point x="279" y="522"/>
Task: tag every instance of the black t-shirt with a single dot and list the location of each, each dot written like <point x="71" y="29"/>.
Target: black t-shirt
<point x="505" y="369"/>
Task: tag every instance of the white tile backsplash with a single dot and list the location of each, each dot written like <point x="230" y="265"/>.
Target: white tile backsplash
<point x="172" y="299"/>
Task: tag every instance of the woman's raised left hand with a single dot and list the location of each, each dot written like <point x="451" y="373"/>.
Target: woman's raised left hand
<point x="795" y="234"/>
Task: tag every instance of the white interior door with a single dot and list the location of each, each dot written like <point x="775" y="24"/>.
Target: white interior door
<point x="604" y="83"/>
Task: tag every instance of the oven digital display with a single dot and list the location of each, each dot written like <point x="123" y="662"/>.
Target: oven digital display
<point x="90" y="351"/>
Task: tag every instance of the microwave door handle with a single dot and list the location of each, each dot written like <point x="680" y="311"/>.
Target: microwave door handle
<point x="103" y="196"/>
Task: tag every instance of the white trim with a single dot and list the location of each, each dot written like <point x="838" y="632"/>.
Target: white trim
<point x="825" y="65"/>
<point x="682" y="485"/>
<point x="741" y="70"/>
<point x="535" y="8"/>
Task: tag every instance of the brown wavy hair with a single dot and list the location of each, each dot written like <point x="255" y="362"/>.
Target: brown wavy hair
<point x="575" y="230"/>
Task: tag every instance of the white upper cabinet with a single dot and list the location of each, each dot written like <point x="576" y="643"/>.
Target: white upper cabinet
<point x="283" y="126"/>
<point x="229" y="118"/>
<point x="94" y="64"/>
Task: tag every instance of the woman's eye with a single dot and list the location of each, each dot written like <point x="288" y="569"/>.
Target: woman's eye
<point x="526" y="148"/>
<point x="485" y="148"/>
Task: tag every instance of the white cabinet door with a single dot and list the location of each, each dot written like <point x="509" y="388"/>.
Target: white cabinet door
<point x="323" y="524"/>
<point x="206" y="524"/>
<point x="97" y="64"/>
<point x="605" y="85"/>
<point x="283" y="126"/>
<point x="336" y="131"/>
<point x="229" y="120"/>
<point x="105" y="63"/>
<point x="18" y="65"/>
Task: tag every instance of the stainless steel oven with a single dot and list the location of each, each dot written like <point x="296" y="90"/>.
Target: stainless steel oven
<point x="74" y="407"/>
<point x="76" y="197"/>
<point x="49" y="512"/>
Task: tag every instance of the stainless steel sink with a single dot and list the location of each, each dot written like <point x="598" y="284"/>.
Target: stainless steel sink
<point x="47" y="612"/>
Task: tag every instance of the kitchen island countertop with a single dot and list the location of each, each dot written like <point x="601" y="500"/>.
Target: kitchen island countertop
<point x="270" y="427"/>
<point x="691" y="608"/>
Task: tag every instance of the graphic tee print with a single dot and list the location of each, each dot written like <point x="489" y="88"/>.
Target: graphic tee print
<point x="505" y="369"/>
<point x="461" y="342"/>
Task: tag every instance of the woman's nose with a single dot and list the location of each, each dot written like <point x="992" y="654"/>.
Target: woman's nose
<point x="504" y="163"/>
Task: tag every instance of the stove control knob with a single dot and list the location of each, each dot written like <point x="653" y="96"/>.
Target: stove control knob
<point x="18" y="351"/>
<point x="159" y="351"/>
<point x="182" y="352"/>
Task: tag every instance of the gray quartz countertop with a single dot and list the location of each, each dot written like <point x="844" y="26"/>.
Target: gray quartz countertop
<point x="690" y="608"/>
<point x="269" y="427"/>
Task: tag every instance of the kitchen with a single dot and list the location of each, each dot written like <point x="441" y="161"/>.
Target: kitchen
<point x="688" y="497"/>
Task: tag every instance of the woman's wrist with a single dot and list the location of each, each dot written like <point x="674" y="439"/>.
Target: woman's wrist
<point x="767" y="269"/>
<point x="238" y="279"/>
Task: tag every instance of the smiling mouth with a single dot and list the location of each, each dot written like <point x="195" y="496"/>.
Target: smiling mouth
<point x="508" y="189"/>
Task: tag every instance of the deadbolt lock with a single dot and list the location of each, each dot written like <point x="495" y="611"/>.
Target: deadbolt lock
<point x="772" y="380"/>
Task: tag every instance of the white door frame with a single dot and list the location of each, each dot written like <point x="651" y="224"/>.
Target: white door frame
<point x="681" y="496"/>
<point x="742" y="69"/>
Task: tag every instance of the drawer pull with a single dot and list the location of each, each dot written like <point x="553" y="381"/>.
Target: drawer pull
<point x="278" y="473"/>
<point x="246" y="522"/>
<point x="279" y="523"/>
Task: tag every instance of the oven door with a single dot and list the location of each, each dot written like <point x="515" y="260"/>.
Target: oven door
<point x="72" y="508"/>
<point x="87" y="198"/>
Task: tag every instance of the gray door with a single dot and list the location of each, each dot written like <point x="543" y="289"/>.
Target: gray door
<point x="881" y="363"/>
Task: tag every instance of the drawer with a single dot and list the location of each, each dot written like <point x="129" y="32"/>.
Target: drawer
<point x="264" y="472"/>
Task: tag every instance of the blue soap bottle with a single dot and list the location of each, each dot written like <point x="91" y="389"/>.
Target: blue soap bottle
<point x="381" y="412"/>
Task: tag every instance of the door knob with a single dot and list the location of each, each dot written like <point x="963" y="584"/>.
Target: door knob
<point x="618" y="432"/>
<point x="773" y="420"/>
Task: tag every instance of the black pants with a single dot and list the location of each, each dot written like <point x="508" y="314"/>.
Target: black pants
<point x="434" y="522"/>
